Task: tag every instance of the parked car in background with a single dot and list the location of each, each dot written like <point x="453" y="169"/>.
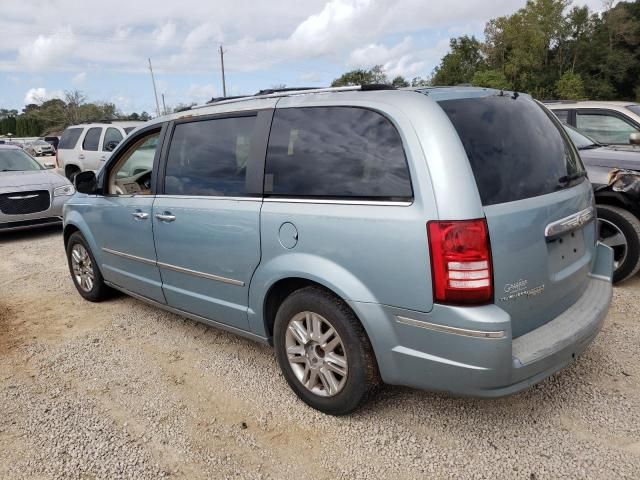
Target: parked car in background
<point x="618" y="208"/>
<point x="30" y="195"/>
<point x="88" y="146"/>
<point x="37" y="148"/>
<point x="53" y="140"/>
<point x="422" y="237"/>
<point x="608" y="123"/>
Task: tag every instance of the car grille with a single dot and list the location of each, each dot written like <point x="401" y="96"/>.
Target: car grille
<point x="21" y="203"/>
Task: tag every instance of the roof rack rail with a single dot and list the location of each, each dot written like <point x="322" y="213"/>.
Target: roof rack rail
<point x="376" y="86"/>
<point x="222" y="99"/>
<point x="552" y="100"/>
<point x="269" y="91"/>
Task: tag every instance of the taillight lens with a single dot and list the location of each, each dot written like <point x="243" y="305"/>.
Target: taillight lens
<point x="461" y="262"/>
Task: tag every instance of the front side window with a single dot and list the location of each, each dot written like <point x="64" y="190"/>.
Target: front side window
<point x="132" y="172"/>
<point x="112" y="138"/>
<point x="604" y="128"/>
<point x="209" y="157"/>
<point x="92" y="139"/>
<point x="563" y="115"/>
<point x="335" y="152"/>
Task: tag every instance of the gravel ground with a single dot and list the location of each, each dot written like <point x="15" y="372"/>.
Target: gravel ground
<point x="124" y="390"/>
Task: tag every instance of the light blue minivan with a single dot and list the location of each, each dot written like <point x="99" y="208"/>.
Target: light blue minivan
<point x="439" y="238"/>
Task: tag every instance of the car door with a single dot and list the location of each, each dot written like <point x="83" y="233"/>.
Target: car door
<point x="207" y="219"/>
<point x="122" y="226"/>
<point x="606" y="126"/>
<point x="90" y="153"/>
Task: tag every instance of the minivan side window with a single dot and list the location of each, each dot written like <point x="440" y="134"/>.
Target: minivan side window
<point x="209" y="157"/>
<point x="92" y="139"/>
<point x="69" y="139"/>
<point x="335" y="152"/>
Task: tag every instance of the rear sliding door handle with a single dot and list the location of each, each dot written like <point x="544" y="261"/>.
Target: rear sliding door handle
<point x="165" y="217"/>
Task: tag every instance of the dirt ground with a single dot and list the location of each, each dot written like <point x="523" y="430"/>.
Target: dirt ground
<point x="124" y="390"/>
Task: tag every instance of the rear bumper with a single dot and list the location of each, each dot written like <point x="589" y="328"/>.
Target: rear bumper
<point x="478" y="357"/>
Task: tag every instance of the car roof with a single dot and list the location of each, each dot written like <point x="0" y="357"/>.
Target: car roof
<point x="349" y="93"/>
<point x="587" y="103"/>
<point x="4" y="146"/>
<point x="123" y="124"/>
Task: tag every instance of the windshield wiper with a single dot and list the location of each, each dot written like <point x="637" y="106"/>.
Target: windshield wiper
<point x="571" y="177"/>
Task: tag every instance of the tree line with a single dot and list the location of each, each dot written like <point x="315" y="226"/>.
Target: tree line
<point x="548" y="48"/>
<point x="54" y="115"/>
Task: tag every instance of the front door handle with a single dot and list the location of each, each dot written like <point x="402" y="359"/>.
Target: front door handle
<point x="140" y="215"/>
<point x="165" y="217"/>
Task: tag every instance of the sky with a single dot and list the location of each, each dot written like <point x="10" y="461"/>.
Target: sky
<point x="102" y="48"/>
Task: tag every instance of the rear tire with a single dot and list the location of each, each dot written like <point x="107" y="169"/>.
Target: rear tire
<point x="324" y="352"/>
<point x="84" y="270"/>
<point x="620" y="229"/>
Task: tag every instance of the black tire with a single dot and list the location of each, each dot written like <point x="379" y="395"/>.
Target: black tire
<point x="99" y="290"/>
<point x="362" y="376"/>
<point x="629" y="225"/>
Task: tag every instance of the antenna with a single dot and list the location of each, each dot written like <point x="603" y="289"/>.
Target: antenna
<point x="155" y="92"/>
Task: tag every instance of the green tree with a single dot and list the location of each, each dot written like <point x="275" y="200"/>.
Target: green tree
<point x="361" y="77"/>
<point x="570" y="87"/>
<point x="460" y="64"/>
<point x="491" y="79"/>
<point x="400" y="82"/>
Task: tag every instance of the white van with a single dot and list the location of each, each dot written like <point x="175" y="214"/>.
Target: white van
<point x="88" y="146"/>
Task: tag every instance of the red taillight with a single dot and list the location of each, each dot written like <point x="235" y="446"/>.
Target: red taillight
<point x="461" y="262"/>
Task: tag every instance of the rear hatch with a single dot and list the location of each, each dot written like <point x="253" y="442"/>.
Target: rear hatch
<point x="537" y="204"/>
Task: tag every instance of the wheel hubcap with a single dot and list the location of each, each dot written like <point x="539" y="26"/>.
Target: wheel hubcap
<point x="611" y="235"/>
<point x="82" y="267"/>
<point x="316" y="354"/>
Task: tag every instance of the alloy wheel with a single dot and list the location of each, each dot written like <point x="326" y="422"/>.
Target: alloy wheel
<point x="611" y="235"/>
<point x="82" y="267"/>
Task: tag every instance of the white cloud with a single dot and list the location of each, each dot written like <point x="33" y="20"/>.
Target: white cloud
<point x="79" y="79"/>
<point x="164" y="34"/>
<point x="46" y="50"/>
<point x="201" y="35"/>
<point x="40" y="94"/>
<point x="201" y="93"/>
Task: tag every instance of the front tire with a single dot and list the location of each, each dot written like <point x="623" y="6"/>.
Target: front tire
<point x="324" y="352"/>
<point x="620" y="229"/>
<point x="84" y="270"/>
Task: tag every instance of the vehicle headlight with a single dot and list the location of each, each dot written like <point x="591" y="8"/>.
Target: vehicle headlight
<point x="64" y="190"/>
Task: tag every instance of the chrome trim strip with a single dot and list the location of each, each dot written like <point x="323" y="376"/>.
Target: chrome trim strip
<point x="129" y="256"/>
<point x="570" y="223"/>
<point x="23" y="197"/>
<point x="196" y="273"/>
<point x="192" y="316"/>
<point x="489" y="334"/>
<point x="338" y="202"/>
<point x="175" y="268"/>
<point x="212" y="197"/>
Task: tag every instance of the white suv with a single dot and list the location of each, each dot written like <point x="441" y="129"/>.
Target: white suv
<point x="88" y="146"/>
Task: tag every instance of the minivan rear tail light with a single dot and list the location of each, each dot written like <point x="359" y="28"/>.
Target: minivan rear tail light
<point x="461" y="262"/>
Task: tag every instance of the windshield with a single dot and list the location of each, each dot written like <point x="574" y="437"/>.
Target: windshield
<point x="17" y="161"/>
<point x="516" y="147"/>
<point x="634" y="108"/>
<point x="581" y="141"/>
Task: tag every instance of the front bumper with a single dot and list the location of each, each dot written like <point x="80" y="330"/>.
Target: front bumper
<point x="474" y="354"/>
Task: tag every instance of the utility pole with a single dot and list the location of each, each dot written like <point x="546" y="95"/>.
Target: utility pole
<point x="224" y="85"/>
<point x="164" y="106"/>
<point x="155" y="92"/>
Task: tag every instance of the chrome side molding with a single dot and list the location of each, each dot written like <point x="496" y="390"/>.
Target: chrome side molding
<point x="175" y="268"/>
<point x="489" y="334"/>
<point x="570" y="223"/>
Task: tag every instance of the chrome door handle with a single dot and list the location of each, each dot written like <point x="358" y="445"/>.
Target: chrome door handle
<point x="165" y="217"/>
<point x="81" y="156"/>
<point x="140" y="215"/>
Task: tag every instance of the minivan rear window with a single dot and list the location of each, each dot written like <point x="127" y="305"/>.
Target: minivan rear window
<point x="515" y="147"/>
<point x="335" y="152"/>
<point x="69" y="139"/>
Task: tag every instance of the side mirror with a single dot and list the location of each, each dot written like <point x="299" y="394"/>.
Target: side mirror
<point x="634" y="138"/>
<point x="86" y="182"/>
<point x="49" y="165"/>
<point x="111" y="146"/>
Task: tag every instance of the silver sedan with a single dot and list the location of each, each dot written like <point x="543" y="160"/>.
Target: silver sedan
<point x="30" y="195"/>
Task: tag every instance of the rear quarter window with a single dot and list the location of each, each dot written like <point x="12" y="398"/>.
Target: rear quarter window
<point x="69" y="138"/>
<point x="515" y="146"/>
<point x="335" y="152"/>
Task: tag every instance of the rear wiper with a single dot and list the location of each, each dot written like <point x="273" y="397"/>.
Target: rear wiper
<point x="570" y="178"/>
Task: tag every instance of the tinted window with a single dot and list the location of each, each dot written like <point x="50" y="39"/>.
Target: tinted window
<point x="209" y="157"/>
<point x="69" y="139"/>
<point x="563" y="115"/>
<point x="515" y="148"/>
<point x="92" y="139"/>
<point x="604" y="128"/>
<point x="335" y="152"/>
<point x="111" y="138"/>
<point x="128" y="130"/>
<point x="634" y="108"/>
<point x="17" y="161"/>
